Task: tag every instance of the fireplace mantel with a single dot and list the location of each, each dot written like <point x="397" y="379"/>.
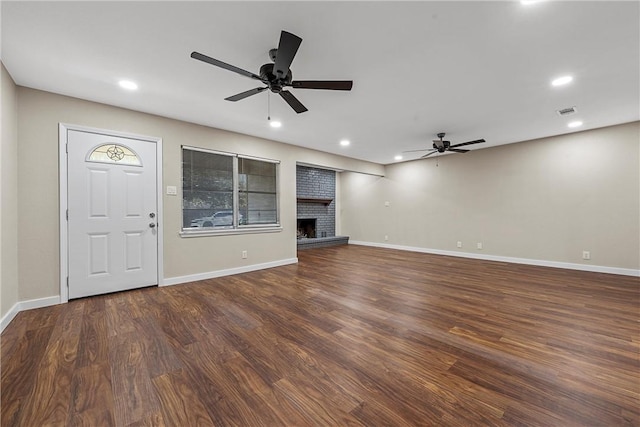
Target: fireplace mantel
<point x="314" y="200"/>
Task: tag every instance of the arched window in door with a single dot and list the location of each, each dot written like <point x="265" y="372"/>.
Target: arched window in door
<point x="114" y="153"/>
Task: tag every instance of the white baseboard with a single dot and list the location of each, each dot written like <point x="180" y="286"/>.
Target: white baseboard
<point x="514" y="260"/>
<point x="7" y="318"/>
<point x="227" y="272"/>
<point x="26" y="305"/>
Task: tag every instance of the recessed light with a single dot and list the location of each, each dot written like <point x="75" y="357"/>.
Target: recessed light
<point x="128" y="84"/>
<point x="345" y="142"/>
<point x="275" y="124"/>
<point x="575" y="124"/>
<point x="560" y="81"/>
<point x="398" y="157"/>
<point x="529" y="2"/>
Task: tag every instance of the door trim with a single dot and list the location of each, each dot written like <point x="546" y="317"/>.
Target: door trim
<point x="63" y="129"/>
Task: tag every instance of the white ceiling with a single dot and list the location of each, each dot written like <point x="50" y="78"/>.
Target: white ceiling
<point x="471" y="69"/>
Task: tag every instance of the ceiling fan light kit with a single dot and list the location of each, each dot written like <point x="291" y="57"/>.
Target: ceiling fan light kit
<point x="277" y="75"/>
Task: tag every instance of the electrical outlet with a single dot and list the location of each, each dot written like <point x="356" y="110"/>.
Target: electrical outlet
<point x="244" y="254"/>
<point x="459" y="244"/>
<point x="387" y="204"/>
<point x="386" y="238"/>
<point x="586" y="255"/>
<point x="479" y="246"/>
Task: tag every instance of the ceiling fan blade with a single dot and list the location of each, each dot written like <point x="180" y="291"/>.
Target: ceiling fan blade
<point x="246" y="94"/>
<point x="477" y="141"/>
<point x="212" y="61"/>
<point x="293" y="102"/>
<point x="323" y="84"/>
<point x="457" y="150"/>
<point x="287" y="48"/>
<point x="428" y="154"/>
<point x="415" y="151"/>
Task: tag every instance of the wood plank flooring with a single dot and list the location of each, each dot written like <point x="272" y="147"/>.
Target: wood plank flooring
<point x="350" y="336"/>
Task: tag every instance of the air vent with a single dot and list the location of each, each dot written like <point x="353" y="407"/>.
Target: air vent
<point x="567" y="111"/>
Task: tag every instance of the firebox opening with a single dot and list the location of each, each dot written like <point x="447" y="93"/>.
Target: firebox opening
<point x="307" y="228"/>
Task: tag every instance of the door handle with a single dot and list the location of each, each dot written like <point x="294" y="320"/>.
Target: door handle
<point x="152" y="224"/>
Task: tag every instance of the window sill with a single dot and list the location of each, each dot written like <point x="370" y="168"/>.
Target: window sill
<point x="230" y="231"/>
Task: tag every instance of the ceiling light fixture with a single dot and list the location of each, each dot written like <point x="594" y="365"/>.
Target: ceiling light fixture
<point x="398" y="157"/>
<point x="575" y="124"/>
<point x="529" y="2"/>
<point x="345" y="142"/>
<point x="275" y="124"/>
<point x="560" y="81"/>
<point x="128" y="84"/>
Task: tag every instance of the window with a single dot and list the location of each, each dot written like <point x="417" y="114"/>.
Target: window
<point x="257" y="198"/>
<point x="222" y="191"/>
<point x="207" y="189"/>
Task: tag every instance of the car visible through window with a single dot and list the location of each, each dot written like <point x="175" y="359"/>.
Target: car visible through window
<point x="218" y="219"/>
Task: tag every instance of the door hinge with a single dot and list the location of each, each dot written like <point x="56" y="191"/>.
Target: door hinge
<point x="67" y="214"/>
<point x="67" y="282"/>
<point x="66" y="148"/>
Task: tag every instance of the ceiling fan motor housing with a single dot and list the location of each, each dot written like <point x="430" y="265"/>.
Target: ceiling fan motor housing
<point x="442" y="147"/>
<point x="275" y="84"/>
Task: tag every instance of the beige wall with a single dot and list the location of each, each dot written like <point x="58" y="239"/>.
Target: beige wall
<point x="8" y="194"/>
<point x="38" y="116"/>
<point x="547" y="199"/>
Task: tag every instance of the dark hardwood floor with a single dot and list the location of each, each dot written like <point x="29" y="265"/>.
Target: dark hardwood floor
<point x="351" y="336"/>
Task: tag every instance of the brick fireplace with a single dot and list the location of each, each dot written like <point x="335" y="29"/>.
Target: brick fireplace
<point x="316" y="191"/>
<point x="316" y="207"/>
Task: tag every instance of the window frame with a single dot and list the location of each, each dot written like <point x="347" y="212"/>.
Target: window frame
<point x="235" y="227"/>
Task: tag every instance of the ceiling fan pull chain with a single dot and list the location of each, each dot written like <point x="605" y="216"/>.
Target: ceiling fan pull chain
<point x="268" y="106"/>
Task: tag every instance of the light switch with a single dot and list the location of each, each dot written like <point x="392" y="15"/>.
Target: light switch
<point x="172" y="190"/>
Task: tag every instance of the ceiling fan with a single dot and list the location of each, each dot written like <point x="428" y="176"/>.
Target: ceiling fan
<point x="278" y="75"/>
<point x="440" y="146"/>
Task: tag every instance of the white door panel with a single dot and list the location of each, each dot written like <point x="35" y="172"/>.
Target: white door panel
<point x="113" y="243"/>
<point x="98" y="192"/>
<point x="98" y="254"/>
<point x="134" y="251"/>
<point x="134" y="204"/>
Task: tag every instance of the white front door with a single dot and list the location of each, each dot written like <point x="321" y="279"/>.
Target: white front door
<point x="112" y="213"/>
